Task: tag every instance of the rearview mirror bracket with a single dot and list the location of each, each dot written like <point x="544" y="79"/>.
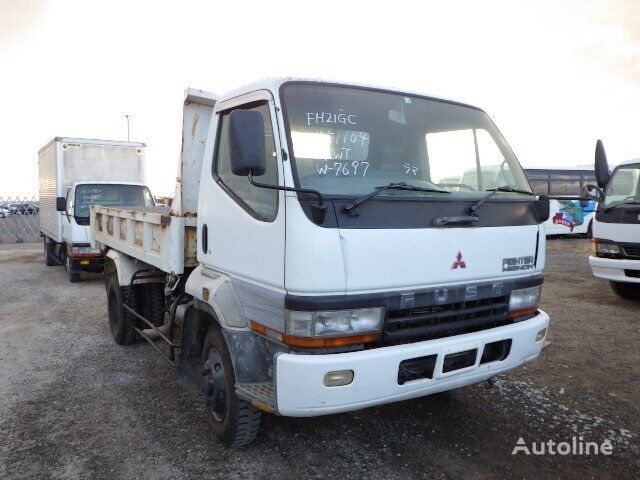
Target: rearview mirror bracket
<point x="318" y="211"/>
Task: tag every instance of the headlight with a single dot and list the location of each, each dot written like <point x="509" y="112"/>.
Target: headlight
<point x="524" y="301"/>
<point x="607" y="249"/>
<point x="333" y="323"/>
<point x="85" y="251"/>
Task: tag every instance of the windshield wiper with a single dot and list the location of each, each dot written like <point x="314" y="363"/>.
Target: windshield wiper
<point x="474" y="208"/>
<point x="391" y="186"/>
<point x="628" y="202"/>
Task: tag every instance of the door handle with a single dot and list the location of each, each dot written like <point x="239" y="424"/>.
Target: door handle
<point x="205" y="238"/>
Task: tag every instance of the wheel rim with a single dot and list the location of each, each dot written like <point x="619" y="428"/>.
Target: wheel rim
<point x="112" y="307"/>
<point x="215" y="386"/>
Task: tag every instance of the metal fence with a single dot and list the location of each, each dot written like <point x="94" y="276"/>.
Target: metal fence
<point x="19" y="220"/>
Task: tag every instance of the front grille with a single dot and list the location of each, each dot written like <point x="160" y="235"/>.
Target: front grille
<point x="438" y="321"/>
<point x="631" y="250"/>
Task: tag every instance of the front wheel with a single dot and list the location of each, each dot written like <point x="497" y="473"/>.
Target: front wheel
<point x="235" y="422"/>
<point x="626" y="290"/>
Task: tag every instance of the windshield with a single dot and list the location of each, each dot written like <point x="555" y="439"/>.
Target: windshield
<point x="109" y="195"/>
<point x="623" y="185"/>
<point x="348" y="141"/>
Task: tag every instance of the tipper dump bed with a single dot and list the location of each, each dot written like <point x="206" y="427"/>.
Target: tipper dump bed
<point x="162" y="237"/>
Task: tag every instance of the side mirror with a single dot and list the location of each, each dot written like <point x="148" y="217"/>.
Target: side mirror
<point x="601" y="165"/>
<point x="61" y="204"/>
<point x="592" y="192"/>
<point x="542" y="208"/>
<point x="246" y="143"/>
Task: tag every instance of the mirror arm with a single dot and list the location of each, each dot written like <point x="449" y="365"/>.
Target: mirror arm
<point x="287" y="189"/>
<point x="318" y="211"/>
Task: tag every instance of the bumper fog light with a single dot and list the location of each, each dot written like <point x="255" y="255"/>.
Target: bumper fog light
<point x="339" y="378"/>
<point x="541" y="334"/>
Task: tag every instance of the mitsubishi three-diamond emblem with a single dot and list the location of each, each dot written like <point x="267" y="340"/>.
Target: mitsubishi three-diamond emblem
<point x="459" y="263"/>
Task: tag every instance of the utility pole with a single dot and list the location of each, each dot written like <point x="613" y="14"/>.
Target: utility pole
<point x="127" y="116"/>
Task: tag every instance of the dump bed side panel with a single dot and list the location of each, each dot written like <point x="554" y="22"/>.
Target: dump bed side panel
<point x="147" y="234"/>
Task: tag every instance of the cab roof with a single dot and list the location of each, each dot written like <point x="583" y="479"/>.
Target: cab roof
<point x="628" y="162"/>
<point x="274" y="84"/>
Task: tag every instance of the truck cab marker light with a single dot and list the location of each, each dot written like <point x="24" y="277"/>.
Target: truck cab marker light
<point x="313" y="342"/>
<point x="338" y="378"/>
<point x="523" y="312"/>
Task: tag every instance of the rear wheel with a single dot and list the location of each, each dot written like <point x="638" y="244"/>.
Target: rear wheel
<point x="235" y="422"/>
<point x="74" y="277"/>
<point x="120" y="320"/>
<point x="150" y="303"/>
<point x="628" y="291"/>
<point x="49" y="253"/>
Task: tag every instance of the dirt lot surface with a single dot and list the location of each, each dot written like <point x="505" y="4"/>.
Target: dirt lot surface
<point x="75" y="405"/>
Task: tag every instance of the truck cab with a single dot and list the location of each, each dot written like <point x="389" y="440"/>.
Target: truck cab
<point x="328" y="262"/>
<point x="616" y="227"/>
<point x="78" y="254"/>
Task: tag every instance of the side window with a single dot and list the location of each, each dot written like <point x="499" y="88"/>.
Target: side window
<point x="260" y="202"/>
<point x="564" y="184"/>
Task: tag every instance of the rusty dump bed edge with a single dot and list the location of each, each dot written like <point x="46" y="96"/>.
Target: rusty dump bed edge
<point x="148" y="234"/>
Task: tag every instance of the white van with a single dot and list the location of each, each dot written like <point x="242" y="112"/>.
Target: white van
<point x="569" y="212"/>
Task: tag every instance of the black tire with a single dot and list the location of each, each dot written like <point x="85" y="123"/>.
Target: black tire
<point x="150" y="303"/>
<point x="49" y="258"/>
<point x="121" y="328"/>
<point x="628" y="291"/>
<point x="74" y="277"/>
<point x="234" y="421"/>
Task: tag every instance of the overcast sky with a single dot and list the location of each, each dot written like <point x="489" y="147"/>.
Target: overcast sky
<point x="554" y="76"/>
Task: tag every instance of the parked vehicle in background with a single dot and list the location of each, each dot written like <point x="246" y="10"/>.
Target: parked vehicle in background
<point x="570" y="213"/>
<point x="391" y="284"/>
<point x="616" y="229"/>
<point x="4" y="211"/>
<point x="74" y="174"/>
<point x="23" y="209"/>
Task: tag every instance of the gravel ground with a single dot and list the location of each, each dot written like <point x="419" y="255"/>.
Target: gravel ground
<point x="75" y="405"/>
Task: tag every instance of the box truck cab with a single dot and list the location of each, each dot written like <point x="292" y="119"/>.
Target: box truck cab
<point x="319" y="259"/>
<point x="75" y="173"/>
<point x="616" y="228"/>
<point x="75" y="224"/>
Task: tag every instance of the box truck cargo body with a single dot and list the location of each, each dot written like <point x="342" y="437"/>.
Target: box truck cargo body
<point x="74" y="173"/>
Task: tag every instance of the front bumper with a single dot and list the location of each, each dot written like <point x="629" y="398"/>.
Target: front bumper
<point x="86" y="264"/>
<point x="614" y="268"/>
<point x="300" y="389"/>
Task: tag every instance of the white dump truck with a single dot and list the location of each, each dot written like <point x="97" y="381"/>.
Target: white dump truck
<point x="319" y="259"/>
<point x="75" y="173"/>
<point x="616" y="228"/>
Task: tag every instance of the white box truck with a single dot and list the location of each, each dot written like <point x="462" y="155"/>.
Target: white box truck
<point x="318" y="259"/>
<point x="75" y="173"/>
<point x="616" y="228"/>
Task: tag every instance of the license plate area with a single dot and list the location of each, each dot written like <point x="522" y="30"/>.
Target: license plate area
<point x="459" y="360"/>
<point x="416" y="368"/>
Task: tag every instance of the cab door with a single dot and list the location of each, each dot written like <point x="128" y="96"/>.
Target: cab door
<point x="241" y="228"/>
